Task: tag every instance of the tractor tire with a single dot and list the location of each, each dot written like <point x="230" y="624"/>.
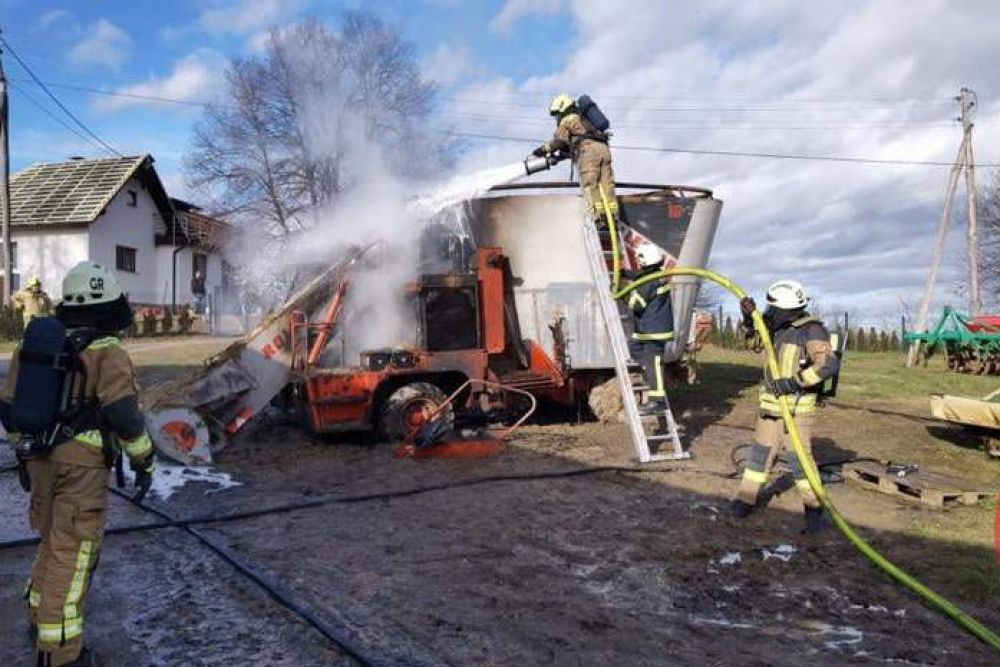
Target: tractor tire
<point x="400" y="415"/>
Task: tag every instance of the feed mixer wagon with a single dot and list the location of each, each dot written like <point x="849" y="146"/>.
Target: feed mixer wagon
<point x="503" y="298"/>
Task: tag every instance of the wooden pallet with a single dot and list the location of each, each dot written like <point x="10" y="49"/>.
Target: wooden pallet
<point x="928" y="488"/>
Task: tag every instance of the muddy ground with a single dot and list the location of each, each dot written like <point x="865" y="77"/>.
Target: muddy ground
<point x="609" y="568"/>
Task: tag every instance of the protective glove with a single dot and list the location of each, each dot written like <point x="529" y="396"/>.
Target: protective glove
<point x="143" y="476"/>
<point x="747" y="306"/>
<point x="783" y="386"/>
<point x="541" y="151"/>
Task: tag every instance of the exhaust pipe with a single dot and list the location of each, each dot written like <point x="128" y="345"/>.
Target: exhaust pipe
<point x="533" y="164"/>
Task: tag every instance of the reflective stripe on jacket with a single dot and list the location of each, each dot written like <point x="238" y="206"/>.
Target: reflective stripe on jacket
<point x="651" y="307"/>
<point x="804" y="354"/>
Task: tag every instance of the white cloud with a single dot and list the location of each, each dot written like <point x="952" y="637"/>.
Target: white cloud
<point x="197" y="77"/>
<point x="52" y="17"/>
<point x="246" y="16"/>
<point x="859" y="78"/>
<point x="448" y="65"/>
<point x="105" y="44"/>
<point x="514" y="10"/>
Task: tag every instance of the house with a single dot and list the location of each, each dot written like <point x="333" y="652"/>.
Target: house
<point x="115" y="212"/>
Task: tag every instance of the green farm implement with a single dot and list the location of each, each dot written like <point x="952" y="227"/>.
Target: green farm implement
<point x="970" y="344"/>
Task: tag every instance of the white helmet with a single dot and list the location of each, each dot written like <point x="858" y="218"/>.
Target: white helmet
<point x="649" y="254"/>
<point x="89" y="284"/>
<point x="787" y="295"/>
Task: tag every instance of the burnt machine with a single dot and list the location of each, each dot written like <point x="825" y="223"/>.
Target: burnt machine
<point x="505" y="308"/>
<point x="468" y="337"/>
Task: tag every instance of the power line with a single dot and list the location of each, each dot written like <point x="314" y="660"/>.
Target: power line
<point x="775" y="156"/>
<point x="51" y="115"/>
<point x="55" y="99"/>
<point x="133" y="96"/>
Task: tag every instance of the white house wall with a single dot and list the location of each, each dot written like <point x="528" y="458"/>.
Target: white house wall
<point x="185" y="261"/>
<point x="49" y="255"/>
<point x="130" y="226"/>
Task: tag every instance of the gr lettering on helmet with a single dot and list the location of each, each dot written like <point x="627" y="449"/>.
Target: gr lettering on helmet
<point x="97" y="284"/>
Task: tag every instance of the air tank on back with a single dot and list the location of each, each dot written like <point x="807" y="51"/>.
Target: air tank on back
<point x="539" y="228"/>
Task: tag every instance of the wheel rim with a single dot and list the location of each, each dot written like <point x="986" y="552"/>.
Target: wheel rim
<point x="417" y="412"/>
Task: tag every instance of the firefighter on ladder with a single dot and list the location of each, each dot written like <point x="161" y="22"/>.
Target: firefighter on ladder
<point x="68" y="483"/>
<point x="588" y="147"/>
<point x="805" y="359"/>
<point x="653" y="324"/>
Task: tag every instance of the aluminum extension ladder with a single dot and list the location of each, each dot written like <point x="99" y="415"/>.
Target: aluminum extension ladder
<point x="615" y="314"/>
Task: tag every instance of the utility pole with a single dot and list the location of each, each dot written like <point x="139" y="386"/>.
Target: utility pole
<point x="963" y="162"/>
<point x="967" y="100"/>
<point x="8" y="258"/>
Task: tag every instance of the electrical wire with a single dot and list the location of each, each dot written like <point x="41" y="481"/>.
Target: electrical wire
<point x="133" y="96"/>
<point x="773" y="156"/>
<point x="51" y="115"/>
<point x="41" y="84"/>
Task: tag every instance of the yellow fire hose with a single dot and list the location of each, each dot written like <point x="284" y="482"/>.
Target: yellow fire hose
<point x="812" y="474"/>
<point x="616" y="266"/>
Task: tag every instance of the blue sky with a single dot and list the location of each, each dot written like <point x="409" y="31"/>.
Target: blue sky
<point x="117" y="45"/>
<point x="858" y="78"/>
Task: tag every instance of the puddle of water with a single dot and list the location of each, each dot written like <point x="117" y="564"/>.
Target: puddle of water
<point x="782" y="552"/>
<point x="169" y="478"/>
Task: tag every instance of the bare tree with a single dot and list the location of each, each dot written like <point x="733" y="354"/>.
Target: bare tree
<point x="989" y="239"/>
<point x="299" y="122"/>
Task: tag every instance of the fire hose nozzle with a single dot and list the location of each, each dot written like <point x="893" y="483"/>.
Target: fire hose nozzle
<point x="533" y="164"/>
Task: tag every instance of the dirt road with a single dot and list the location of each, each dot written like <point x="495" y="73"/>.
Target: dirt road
<point x="607" y="568"/>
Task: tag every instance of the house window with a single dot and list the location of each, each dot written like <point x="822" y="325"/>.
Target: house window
<point x="132" y="198"/>
<point x="13" y="257"/>
<point x="199" y="264"/>
<point x="125" y="258"/>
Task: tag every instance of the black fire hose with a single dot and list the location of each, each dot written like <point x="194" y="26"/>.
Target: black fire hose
<point x="273" y="588"/>
<point x="344" y="500"/>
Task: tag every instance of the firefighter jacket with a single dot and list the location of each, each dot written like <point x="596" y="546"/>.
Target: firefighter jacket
<point x="651" y="308"/>
<point x="112" y="393"/>
<point x="805" y="354"/>
<point x="34" y="304"/>
<point x="572" y="133"/>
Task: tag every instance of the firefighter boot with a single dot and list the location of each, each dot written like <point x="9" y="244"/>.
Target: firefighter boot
<point x="741" y="510"/>
<point x="815" y="521"/>
<point x="87" y="658"/>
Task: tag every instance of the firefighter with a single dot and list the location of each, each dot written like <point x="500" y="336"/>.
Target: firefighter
<point x="68" y="483"/>
<point x="653" y="323"/>
<point x="32" y="301"/>
<point x="805" y="359"/>
<point x="588" y="147"/>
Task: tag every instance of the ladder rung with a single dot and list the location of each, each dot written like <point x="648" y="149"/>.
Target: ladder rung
<point x="669" y="456"/>
<point x="658" y="437"/>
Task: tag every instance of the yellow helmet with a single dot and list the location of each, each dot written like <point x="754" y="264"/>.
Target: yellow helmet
<point x="560" y="104"/>
<point x="34" y="281"/>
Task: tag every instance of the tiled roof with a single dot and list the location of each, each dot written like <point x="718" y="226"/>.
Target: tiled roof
<point x="68" y="192"/>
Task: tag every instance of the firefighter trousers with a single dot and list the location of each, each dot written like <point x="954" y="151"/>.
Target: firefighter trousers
<point x="68" y="504"/>
<point x="649" y="353"/>
<point x="771" y="439"/>
<point x="593" y="160"/>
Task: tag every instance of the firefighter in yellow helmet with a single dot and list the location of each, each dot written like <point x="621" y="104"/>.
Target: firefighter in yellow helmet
<point x="32" y="301"/>
<point x="806" y="360"/>
<point x="65" y="454"/>
<point x="588" y="147"/>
